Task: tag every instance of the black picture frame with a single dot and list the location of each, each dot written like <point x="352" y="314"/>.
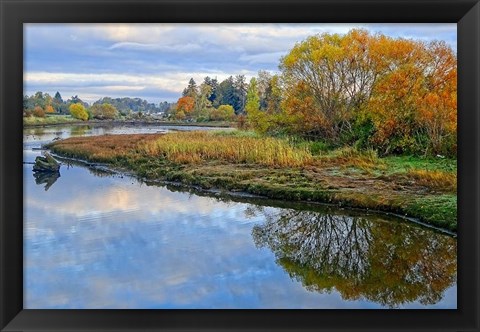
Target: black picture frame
<point x="466" y="13"/>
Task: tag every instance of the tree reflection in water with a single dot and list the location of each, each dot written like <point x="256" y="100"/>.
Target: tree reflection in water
<point x="387" y="262"/>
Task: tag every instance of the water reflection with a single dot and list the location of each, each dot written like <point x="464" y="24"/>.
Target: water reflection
<point x="47" y="178"/>
<point x="96" y="240"/>
<point x="80" y="130"/>
<point x="390" y="263"/>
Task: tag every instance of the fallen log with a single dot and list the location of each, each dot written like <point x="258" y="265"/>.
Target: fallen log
<point x="46" y="164"/>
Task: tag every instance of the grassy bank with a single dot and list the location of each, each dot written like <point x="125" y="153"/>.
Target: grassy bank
<point x="55" y="119"/>
<point x="49" y="120"/>
<point x="282" y="169"/>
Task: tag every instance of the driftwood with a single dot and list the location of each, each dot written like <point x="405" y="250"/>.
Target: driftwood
<point x="46" y="164"/>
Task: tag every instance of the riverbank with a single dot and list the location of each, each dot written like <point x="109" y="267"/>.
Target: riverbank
<point x="276" y="168"/>
<point x="58" y="120"/>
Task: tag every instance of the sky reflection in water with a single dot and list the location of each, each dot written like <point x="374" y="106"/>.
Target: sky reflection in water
<point x="113" y="242"/>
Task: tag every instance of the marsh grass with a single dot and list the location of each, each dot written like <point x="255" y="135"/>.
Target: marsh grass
<point x="435" y="180"/>
<point x="351" y="157"/>
<point x="107" y="148"/>
<point x="195" y="147"/>
<point x="48" y="119"/>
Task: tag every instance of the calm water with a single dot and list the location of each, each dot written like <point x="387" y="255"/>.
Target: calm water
<point x="99" y="240"/>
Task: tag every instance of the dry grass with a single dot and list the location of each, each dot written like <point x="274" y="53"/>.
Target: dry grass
<point x="102" y="148"/>
<point x="195" y="147"/>
<point x="435" y="180"/>
<point x="352" y="157"/>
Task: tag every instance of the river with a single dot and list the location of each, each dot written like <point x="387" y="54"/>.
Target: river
<point x="95" y="239"/>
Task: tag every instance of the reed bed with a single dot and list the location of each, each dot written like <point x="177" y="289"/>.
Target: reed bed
<point x="195" y="147"/>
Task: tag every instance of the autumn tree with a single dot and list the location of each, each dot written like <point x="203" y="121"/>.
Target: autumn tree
<point x="336" y="71"/>
<point x="49" y="109"/>
<point x="184" y="108"/>
<point x="78" y="111"/>
<point x="438" y="105"/>
<point x="395" y="95"/>
<point x="413" y="106"/>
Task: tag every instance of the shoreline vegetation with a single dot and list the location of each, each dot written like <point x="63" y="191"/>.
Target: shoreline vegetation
<point x="58" y="120"/>
<point x="285" y="168"/>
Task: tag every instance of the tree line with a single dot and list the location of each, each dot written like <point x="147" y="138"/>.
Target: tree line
<point x="40" y="104"/>
<point x="366" y="90"/>
<point x="212" y="100"/>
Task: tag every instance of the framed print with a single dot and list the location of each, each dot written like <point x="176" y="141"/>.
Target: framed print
<point x="227" y="165"/>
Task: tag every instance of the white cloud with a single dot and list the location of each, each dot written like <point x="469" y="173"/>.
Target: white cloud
<point x="110" y="84"/>
<point x="92" y="59"/>
<point x="155" y="47"/>
<point x="262" y="57"/>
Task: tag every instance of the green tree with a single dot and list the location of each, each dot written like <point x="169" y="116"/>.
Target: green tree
<point x="273" y="96"/>
<point x="213" y="83"/>
<point x="203" y="105"/>
<point x="58" y="104"/>
<point x="104" y="111"/>
<point x="241" y="86"/>
<point x="256" y="118"/>
<point x="58" y="97"/>
<point x="226" y="94"/>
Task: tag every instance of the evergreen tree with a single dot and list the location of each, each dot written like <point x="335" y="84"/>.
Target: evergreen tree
<point x="191" y="90"/>
<point x="240" y="93"/>
<point x="58" y="97"/>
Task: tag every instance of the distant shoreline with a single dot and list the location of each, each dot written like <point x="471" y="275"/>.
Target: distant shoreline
<point x="132" y="122"/>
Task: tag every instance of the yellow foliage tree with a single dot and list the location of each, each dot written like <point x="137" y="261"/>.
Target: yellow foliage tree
<point x="78" y="111"/>
<point x="401" y="93"/>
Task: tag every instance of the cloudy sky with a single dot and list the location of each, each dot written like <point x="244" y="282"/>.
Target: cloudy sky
<point x="155" y="61"/>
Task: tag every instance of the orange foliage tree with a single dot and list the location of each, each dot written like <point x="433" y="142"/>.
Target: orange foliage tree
<point x="395" y="95"/>
<point x="185" y="107"/>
